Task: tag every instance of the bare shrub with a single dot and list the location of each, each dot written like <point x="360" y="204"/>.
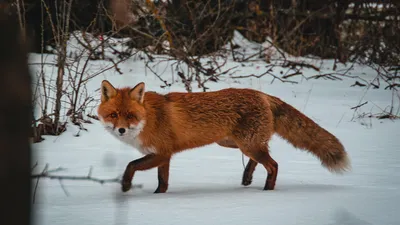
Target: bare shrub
<point x="197" y="37"/>
<point x="65" y="94"/>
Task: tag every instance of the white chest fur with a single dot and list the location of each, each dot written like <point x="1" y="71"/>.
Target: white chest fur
<point x="135" y="142"/>
<point x="131" y="137"/>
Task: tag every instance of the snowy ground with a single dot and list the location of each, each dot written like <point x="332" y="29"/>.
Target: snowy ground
<point x="205" y="183"/>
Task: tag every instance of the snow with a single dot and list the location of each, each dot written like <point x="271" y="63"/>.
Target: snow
<point x="204" y="184"/>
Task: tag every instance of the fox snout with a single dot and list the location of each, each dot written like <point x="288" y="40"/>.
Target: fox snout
<point x="121" y="131"/>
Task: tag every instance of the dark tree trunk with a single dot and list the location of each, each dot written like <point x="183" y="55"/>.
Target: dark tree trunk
<point x="15" y="123"/>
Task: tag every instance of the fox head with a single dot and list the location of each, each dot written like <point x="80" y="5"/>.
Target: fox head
<point x="121" y="110"/>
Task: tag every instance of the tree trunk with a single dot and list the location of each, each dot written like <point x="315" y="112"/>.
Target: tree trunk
<point x="15" y="124"/>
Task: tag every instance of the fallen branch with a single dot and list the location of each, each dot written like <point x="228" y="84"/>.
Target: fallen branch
<point x="214" y="77"/>
<point x="116" y="66"/>
<point x="93" y="116"/>
<point x="263" y="74"/>
<point x="329" y="76"/>
<point x="88" y="178"/>
<point x="358" y="84"/>
<point x="393" y="77"/>
<point x="358" y="106"/>
<point x="292" y="74"/>
<point x="301" y="64"/>
<point x="47" y="174"/>
<point x="157" y="75"/>
<point x="392" y="86"/>
<point x="383" y="115"/>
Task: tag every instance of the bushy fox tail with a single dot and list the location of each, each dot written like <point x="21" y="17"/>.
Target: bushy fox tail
<point x="303" y="133"/>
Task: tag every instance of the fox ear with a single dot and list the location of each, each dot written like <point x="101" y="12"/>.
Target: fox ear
<point x="107" y="91"/>
<point x="137" y="93"/>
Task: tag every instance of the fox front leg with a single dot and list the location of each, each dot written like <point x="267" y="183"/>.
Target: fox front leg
<point x="147" y="162"/>
<point x="163" y="175"/>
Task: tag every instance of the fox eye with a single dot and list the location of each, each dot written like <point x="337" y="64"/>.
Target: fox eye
<point x="130" y="116"/>
<point x="113" y="115"/>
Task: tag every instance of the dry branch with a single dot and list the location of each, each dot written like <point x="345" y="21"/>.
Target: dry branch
<point x="330" y="76"/>
<point x="292" y="74"/>
<point x="46" y="173"/>
<point x="293" y="64"/>
<point x="392" y="86"/>
<point x="93" y="116"/>
<point x="358" y="106"/>
<point x="263" y="74"/>
<point x="358" y="84"/>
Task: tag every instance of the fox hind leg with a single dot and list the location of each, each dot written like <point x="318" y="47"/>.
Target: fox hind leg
<point x="263" y="157"/>
<point x="260" y="155"/>
<point x="251" y="165"/>
<point x="271" y="179"/>
<point x="252" y="139"/>
<point x="248" y="172"/>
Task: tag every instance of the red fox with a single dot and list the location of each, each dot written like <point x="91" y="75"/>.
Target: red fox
<point x="160" y="126"/>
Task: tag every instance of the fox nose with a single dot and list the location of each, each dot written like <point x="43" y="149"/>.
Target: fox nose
<point x="121" y="130"/>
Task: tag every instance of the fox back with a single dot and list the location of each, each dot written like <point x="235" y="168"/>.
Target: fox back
<point x="178" y="121"/>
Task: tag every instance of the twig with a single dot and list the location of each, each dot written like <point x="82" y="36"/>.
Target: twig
<point x="116" y="66"/>
<point x="93" y="116"/>
<point x="263" y="74"/>
<point x="358" y="84"/>
<point x="63" y="187"/>
<point x="358" y="106"/>
<point x="250" y="75"/>
<point x="215" y="77"/>
<point x="326" y="75"/>
<point x="88" y="178"/>
<point x="157" y="75"/>
<point x="308" y="97"/>
<point x="34" y="166"/>
<point x="392" y="86"/>
<point x="37" y="183"/>
<point x="292" y="74"/>
<point x="340" y="120"/>
<point x="301" y="64"/>
<point x="47" y="174"/>
<point x="105" y="69"/>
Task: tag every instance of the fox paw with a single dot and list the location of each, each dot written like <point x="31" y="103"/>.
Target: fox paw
<point x="246" y="181"/>
<point x="269" y="186"/>
<point x="126" y="186"/>
<point x="160" y="189"/>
